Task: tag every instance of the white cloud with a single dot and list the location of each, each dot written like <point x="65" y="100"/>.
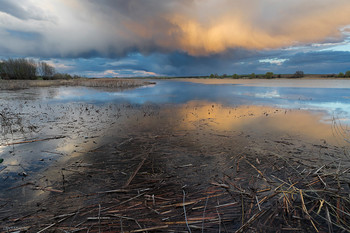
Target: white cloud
<point x="120" y="73"/>
<point x="273" y="61"/>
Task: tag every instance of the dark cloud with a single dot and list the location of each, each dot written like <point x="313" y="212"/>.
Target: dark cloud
<point x="330" y="57"/>
<point x="179" y="37"/>
<point x="24" y="35"/>
<point x="112" y="28"/>
<point x="182" y="64"/>
<point x="319" y="62"/>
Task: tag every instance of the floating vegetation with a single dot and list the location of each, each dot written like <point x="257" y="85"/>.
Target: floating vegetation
<point x="139" y="186"/>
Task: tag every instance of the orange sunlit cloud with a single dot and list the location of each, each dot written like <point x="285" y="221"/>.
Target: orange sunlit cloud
<point x="207" y="27"/>
<point x="204" y="27"/>
<point x="198" y="27"/>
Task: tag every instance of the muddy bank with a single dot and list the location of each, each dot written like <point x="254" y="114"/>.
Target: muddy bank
<point x="199" y="166"/>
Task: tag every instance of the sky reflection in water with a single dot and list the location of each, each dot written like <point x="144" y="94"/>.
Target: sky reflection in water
<point x="87" y="114"/>
<point x="333" y="101"/>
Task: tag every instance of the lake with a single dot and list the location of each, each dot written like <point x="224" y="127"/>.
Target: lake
<point x="331" y="97"/>
<point x="50" y="133"/>
<point x="32" y="111"/>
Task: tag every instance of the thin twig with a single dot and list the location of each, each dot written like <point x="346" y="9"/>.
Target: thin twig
<point x="205" y="207"/>
<point x="217" y="211"/>
<point x="37" y="140"/>
<point x="137" y="170"/>
<point x="257" y="201"/>
<point x="99" y="218"/>
<point x="150" y="229"/>
<point x="252" y="219"/>
<point x="184" y="207"/>
<point x="53" y="224"/>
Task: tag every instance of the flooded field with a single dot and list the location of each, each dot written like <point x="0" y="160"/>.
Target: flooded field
<point x="178" y="155"/>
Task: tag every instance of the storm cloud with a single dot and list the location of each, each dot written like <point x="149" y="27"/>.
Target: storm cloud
<point x="113" y="28"/>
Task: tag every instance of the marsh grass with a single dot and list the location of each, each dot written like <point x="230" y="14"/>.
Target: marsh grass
<point x="108" y="83"/>
<point x="10" y="124"/>
<point x="313" y="200"/>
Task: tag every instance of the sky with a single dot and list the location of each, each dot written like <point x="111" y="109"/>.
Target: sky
<point x="132" y="38"/>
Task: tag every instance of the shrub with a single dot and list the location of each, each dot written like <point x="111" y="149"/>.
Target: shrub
<point x="299" y="74"/>
<point x="62" y="76"/>
<point x="347" y="74"/>
<point x="269" y="75"/>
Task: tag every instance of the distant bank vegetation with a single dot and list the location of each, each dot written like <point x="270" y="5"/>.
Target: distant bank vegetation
<point x="28" y="69"/>
<point x="86" y="82"/>
<point x="346" y="75"/>
<point x="271" y="75"/>
<point x="25" y="73"/>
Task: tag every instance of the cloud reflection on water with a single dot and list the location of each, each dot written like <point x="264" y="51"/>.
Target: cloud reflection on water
<point x="330" y="96"/>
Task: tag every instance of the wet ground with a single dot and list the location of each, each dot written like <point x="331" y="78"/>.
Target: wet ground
<point x="86" y="160"/>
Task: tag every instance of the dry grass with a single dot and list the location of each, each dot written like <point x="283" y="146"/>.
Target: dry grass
<point x="268" y="194"/>
<point x="108" y="83"/>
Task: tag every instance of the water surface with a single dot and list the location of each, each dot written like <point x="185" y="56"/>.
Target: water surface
<point x="329" y="96"/>
<point x="314" y="110"/>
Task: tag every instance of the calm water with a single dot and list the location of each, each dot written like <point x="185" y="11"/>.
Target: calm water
<point x="332" y="98"/>
<point x="88" y="117"/>
<point x="41" y="106"/>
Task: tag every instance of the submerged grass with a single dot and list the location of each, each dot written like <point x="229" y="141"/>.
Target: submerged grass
<point x="258" y="193"/>
<point x="105" y="82"/>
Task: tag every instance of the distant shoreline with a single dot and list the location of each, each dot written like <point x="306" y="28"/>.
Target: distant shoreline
<point x="87" y="82"/>
<point x="134" y="82"/>
<point x="244" y="77"/>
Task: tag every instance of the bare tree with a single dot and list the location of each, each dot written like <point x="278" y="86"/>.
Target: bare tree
<point x="45" y="70"/>
<point x="2" y="74"/>
<point x="20" y="68"/>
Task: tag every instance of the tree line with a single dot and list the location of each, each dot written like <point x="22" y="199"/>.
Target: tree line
<point x="22" y="69"/>
<point x="268" y="75"/>
<point x="29" y="69"/>
<point x="346" y="75"/>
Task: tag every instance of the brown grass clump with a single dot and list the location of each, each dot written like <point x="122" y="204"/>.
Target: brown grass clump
<point x="107" y="83"/>
<point x="290" y="197"/>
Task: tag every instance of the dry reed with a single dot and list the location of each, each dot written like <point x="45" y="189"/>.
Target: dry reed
<point x="107" y="83"/>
